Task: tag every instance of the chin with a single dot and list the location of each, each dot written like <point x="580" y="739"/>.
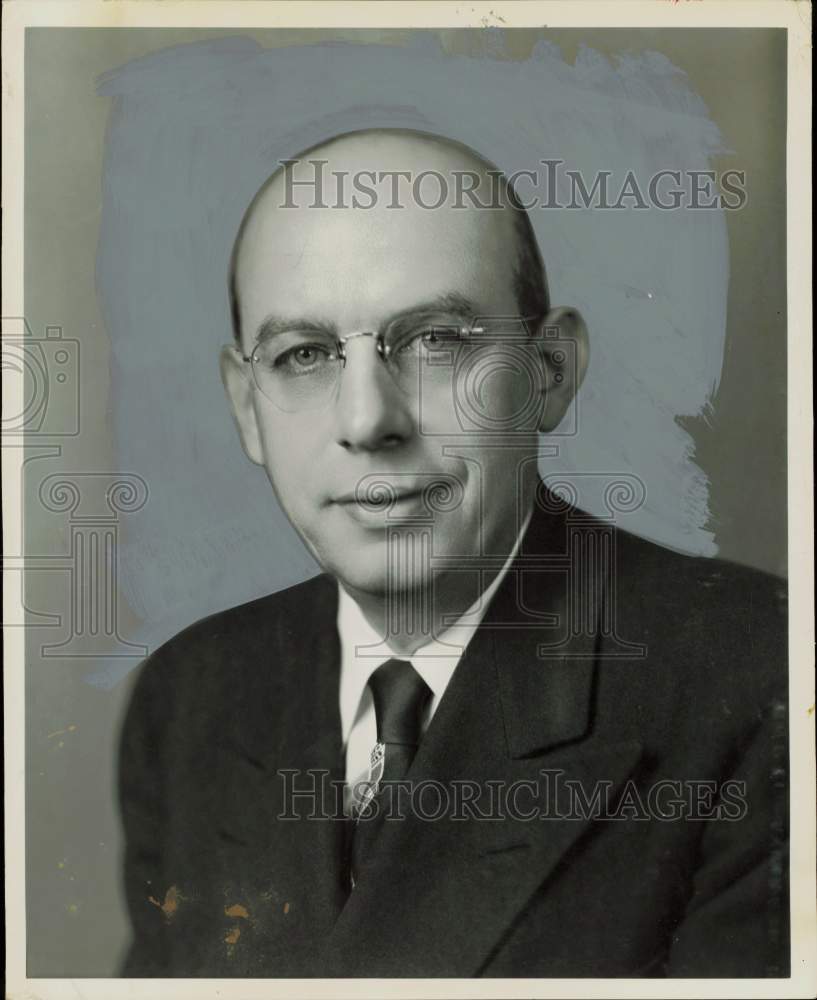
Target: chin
<point x="361" y="564"/>
<point x="363" y="581"/>
<point x="371" y="577"/>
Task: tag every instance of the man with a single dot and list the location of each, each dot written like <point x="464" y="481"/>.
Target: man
<point x="582" y="735"/>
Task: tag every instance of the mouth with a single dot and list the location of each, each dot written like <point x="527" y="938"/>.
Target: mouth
<point x="381" y="507"/>
<point x="379" y="499"/>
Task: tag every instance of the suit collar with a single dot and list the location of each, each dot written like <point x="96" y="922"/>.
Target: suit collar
<point x="545" y="636"/>
<point x="287" y="665"/>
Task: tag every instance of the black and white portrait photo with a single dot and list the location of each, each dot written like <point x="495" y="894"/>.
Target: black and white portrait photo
<point x="408" y="550"/>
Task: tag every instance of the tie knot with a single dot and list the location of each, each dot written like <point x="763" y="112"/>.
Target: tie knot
<point x="400" y="694"/>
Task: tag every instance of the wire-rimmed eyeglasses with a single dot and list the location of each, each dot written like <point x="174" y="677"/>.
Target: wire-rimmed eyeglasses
<point x="299" y="369"/>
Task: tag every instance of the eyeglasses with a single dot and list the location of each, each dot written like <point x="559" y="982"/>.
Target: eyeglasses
<point x="300" y="369"/>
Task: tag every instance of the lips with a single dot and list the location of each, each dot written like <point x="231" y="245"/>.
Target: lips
<point x="378" y="498"/>
<point x="376" y="508"/>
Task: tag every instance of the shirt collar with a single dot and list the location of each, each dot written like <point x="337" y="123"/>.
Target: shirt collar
<point x="363" y="650"/>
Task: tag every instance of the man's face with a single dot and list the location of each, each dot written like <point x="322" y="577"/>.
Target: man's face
<point x="348" y="270"/>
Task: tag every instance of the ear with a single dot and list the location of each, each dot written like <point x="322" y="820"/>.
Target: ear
<point x="240" y="389"/>
<point x="563" y="339"/>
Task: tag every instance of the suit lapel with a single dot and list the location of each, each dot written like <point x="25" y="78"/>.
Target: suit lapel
<point x="289" y="739"/>
<point x="440" y="894"/>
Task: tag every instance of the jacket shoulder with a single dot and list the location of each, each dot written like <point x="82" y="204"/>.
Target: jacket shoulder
<point x="651" y="554"/>
<point x="212" y="651"/>
<point x="663" y="577"/>
<point x="716" y="631"/>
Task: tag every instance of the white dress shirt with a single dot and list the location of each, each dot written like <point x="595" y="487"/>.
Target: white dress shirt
<point x="363" y="651"/>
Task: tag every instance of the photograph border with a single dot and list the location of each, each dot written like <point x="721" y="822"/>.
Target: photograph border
<point x="795" y="17"/>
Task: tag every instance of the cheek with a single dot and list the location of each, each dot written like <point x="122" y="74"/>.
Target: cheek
<point x="497" y="391"/>
<point x="289" y="457"/>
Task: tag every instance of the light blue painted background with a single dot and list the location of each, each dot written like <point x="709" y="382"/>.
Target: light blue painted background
<point x="194" y="131"/>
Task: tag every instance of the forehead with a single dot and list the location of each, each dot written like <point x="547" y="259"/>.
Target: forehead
<point x="348" y="262"/>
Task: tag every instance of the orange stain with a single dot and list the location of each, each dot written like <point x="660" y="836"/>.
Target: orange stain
<point x="170" y="904"/>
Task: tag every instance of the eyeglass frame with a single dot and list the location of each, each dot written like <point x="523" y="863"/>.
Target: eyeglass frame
<point x="384" y="351"/>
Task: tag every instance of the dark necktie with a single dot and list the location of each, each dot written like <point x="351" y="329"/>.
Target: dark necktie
<point x="400" y="695"/>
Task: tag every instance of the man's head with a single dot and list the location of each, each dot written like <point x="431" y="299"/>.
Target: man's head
<point x="333" y="262"/>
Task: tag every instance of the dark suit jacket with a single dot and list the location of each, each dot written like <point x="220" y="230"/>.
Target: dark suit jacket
<point x="603" y="660"/>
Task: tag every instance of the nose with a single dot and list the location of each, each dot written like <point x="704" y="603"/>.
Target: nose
<point x="372" y="413"/>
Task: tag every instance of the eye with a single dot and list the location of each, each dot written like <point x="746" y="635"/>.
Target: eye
<point x="303" y="358"/>
<point x="429" y="338"/>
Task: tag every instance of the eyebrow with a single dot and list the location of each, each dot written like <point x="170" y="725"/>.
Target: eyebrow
<point x="274" y="325"/>
<point x="452" y="303"/>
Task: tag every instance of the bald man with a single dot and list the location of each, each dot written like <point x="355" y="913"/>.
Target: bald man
<point x="495" y="736"/>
